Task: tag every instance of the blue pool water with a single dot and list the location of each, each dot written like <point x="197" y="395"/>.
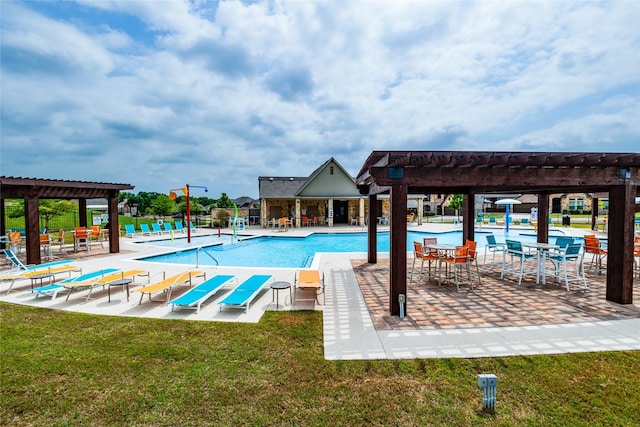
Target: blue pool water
<point x="291" y="252"/>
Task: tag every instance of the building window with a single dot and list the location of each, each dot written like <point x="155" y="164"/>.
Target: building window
<point x="330" y="170"/>
<point x="576" y="204"/>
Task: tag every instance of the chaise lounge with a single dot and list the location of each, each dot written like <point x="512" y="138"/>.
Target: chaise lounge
<point x="167" y="284"/>
<point x="245" y="292"/>
<point x="197" y="295"/>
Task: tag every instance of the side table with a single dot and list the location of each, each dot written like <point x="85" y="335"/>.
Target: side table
<point x="122" y="282"/>
<point x="276" y="287"/>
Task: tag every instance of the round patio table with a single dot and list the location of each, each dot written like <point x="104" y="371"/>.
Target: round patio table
<point x="275" y="289"/>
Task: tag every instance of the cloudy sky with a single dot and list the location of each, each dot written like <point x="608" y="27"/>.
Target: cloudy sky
<point x="161" y="93"/>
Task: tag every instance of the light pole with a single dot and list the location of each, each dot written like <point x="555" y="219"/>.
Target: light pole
<point x="185" y="190"/>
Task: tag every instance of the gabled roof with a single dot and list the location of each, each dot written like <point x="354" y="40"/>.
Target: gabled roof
<point x="315" y="185"/>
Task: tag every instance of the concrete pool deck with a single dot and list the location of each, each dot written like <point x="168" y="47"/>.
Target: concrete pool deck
<point x="356" y="323"/>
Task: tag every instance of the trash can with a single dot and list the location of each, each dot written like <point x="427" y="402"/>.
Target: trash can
<point x="566" y="220"/>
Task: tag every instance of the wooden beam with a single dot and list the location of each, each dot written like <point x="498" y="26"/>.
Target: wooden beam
<point x="398" y="246"/>
<point x="372" y="230"/>
<point x="504" y="179"/>
<point x="620" y="244"/>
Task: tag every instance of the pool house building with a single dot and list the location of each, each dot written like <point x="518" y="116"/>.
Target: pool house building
<point x="329" y="195"/>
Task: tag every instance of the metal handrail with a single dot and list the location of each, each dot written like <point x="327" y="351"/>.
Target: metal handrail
<point x="200" y="248"/>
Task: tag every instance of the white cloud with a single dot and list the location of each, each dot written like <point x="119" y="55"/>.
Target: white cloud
<point x="157" y="94"/>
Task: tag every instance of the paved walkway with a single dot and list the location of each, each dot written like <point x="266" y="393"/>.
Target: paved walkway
<point x="451" y="327"/>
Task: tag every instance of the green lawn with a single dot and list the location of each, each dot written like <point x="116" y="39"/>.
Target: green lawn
<point x="61" y="368"/>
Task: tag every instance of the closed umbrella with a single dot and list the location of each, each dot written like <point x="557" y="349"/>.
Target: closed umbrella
<point x="507" y="203"/>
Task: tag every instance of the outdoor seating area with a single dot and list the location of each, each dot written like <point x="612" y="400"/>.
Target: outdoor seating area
<point x="496" y="303"/>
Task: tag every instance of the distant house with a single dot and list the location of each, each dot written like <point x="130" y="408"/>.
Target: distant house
<point x="329" y="194"/>
<point x="245" y="202"/>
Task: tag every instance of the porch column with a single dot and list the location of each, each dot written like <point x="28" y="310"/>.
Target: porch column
<point x="263" y="213"/>
<point x="330" y="213"/>
<point x="361" y="211"/>
<point x="298" y="213"/>
<point x="420" y="210"/>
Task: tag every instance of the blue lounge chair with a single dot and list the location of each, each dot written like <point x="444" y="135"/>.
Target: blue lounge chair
<point x="55" y="288"/>
<point x="145" y="229"/>
<point x="130" y="230"/>
<point x="195" y="296"/>
<point x="156" y="228"/>
<point x="179" y="226"/>
<point x="245" y="292"/>
<point x="168" y="227"/>
<point x="18" y="266"/>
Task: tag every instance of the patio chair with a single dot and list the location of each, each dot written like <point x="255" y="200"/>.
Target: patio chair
<point x="570" y="255"/>
<point x="144" y="228"/>
<point x="200" y="293"/>
<point x="167" y="283"/>
<point x="16" y="242"/>
<point x="473" y="257"/>
<point x="309" y="279"/>
<point x="156" y="228"/>
<point x="422" y="254"/>
<point x="179" y="227"/>
<point x="515" y="250"/>
<point x="59" y="240"/>
<point x="168" y="227"/>
<point x="97" y="234"/>
<point x="457" y="261"/>
<point x="493" y="247"/>
<point x="130" y="230"/>
<point x="243" y="294"/>
<point x="45" y="246"/>
<point x="81" y="237"/>
<point x="598" y="253"/>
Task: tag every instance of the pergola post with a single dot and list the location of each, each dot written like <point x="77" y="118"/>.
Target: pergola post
<point x="468" y="217"/>
<point x="372" y="230"/>
<point x="82" y="212"/>
<point x="620" y="248"/>
<point x="398" y="245"/>
<point x="114" y="228"/>
<point x="543" y="218"/>
<point x="32" y="229"/>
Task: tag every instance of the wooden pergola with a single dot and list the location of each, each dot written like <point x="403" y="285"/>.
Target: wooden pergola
<point x="32" y="190"/>
<point x="469" y="173"/>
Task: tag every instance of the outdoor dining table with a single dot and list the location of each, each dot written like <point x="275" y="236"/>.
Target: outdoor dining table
<point x="542" y="249"/>
<point x="444" y="249"/>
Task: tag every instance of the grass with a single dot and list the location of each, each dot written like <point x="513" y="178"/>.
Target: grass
<point x="61" y="368"/>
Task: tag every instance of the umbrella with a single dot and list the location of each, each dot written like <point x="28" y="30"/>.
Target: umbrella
<point x="507" y="203"/>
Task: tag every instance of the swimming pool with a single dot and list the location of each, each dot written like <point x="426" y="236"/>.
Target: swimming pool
<point x="291" y="252"/>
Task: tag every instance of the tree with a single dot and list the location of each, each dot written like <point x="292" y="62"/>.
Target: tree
<point x="48" y="208"/>
<point x="163" y="205"/>
<point x="224" y="201"/>
<point x="456" y="203"/>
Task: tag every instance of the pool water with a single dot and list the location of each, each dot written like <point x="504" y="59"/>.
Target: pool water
<point x="291" y="252"/>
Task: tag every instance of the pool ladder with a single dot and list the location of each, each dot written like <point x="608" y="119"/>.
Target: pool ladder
<point x="206" y="252"/>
